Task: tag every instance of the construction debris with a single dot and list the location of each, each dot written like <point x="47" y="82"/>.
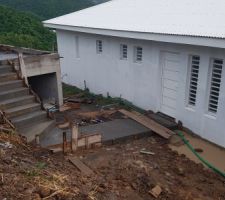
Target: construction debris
<point x="96" y="114"/>
<point x="147" y="152"/>
<point x="79" y="99"/>
<point x="6" y="145"/>
<point x="69" y="106"/>
<point x="156" y="191"/>
<point x="199" y="150"/>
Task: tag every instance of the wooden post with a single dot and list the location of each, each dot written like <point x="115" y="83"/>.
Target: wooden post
<point x="37" y="139"/>
<point x="74" y="137"/>
<point x="64" y="142"/>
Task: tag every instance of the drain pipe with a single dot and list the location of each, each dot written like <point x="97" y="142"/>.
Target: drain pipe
<point x="198" y="156"/>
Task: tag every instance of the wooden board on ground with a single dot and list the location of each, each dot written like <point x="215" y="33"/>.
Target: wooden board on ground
<point x="81" y="166"/>
<point x="69" y="106"/>
<point x="149" y="123"/>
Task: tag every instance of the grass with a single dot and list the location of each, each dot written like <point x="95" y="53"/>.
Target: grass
<point x="41" y="165"/>
<point x="99" y="99"/>
<point x="69" y="90"/>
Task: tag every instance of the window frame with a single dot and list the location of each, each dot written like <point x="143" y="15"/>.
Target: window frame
<point x="99" y="46"/>
<point x="190" y="69"/>
<point x="122" y="52"/>
<point x="211" y="68"/>
<point x="136" y="60"/>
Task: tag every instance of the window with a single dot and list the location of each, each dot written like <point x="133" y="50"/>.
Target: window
<point x="138" y="51"/>
<point x="123" y="51"/>
<point x="99" y="46"/>
<point x="193" y="85"/>
<point x="216" y="75"/>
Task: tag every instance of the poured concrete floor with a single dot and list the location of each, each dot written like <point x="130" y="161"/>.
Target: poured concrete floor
<point x="212" y="153"/>
<point x="111" y="131"/>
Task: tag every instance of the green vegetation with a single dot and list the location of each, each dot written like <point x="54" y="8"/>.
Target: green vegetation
<point x="100" y="100"/>
<point x="20" y="20"/>
<point x="22" y="29"/>
<point x="47" y="9"/>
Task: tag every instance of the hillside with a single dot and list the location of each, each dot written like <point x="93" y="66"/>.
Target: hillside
<point x="22" y="29"/>
<point x="49" y="8"/>
<point x="120" y="172"/>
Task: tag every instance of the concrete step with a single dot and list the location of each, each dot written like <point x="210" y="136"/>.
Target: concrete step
<point x="164" y="120"/>
<point x="9" y="85"/>
<point x="8" y="76"/>
<point x="37" y="129"/>
<point x="6" y="68"/>
<point x="18" y="101"/>
<point x="4" y="62"/>
<point x="22" y="110"/>
<point x="14" y="93"/>
<point x="27" y="120"/>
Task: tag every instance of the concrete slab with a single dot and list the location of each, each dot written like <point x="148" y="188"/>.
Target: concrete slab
<point x="37" y="129"/>
<point x="7" y="56"/>
<point x="164" y="120"/>
<point x="112" y="131"/>
<point x="116" y="129"/>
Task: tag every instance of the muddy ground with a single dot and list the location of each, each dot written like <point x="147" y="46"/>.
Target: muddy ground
<point x="120" y="172"/>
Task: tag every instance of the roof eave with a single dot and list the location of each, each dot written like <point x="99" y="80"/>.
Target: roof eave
<point x="179" y="39"/>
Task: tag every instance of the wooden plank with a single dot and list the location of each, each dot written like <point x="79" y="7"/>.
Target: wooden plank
<point x="64" y="142"/>
<point x="74" y="137"/>
<point x="81" y="166"/>
<point x="89" y="139"/>
<point x="149" y="123"/>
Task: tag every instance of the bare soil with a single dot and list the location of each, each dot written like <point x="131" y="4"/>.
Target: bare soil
<point x="121" y="172"/>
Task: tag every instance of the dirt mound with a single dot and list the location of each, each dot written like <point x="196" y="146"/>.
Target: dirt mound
<point x="120" y="172"/>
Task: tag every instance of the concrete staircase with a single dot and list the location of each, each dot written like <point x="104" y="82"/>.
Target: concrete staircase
<point x="21" y="107"/>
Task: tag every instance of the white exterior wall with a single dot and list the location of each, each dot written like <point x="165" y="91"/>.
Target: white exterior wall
<point x="141" y="83"/>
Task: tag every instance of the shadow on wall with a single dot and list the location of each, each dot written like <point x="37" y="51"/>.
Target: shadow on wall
<point x="45" y="86"/>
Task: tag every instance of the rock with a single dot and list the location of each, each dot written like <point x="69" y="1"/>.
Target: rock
<point x="44" y="192"/>
<point x="134" y="186"/>
<point x="181" y="171"/>
<point x="198" y="150"/>
<point x="104" y="185"/>
<point x="100" y="190"/>
<point x="29" y="190"/>
<point x="167" y="174"/>
<point x="156" y="191"/>
<point x="36" y="196"/>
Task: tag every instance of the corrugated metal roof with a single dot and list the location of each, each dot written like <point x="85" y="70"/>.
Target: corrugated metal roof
<point x="205" y="18"/>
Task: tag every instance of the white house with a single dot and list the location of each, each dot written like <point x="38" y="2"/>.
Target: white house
<point x="162" y="55"/>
